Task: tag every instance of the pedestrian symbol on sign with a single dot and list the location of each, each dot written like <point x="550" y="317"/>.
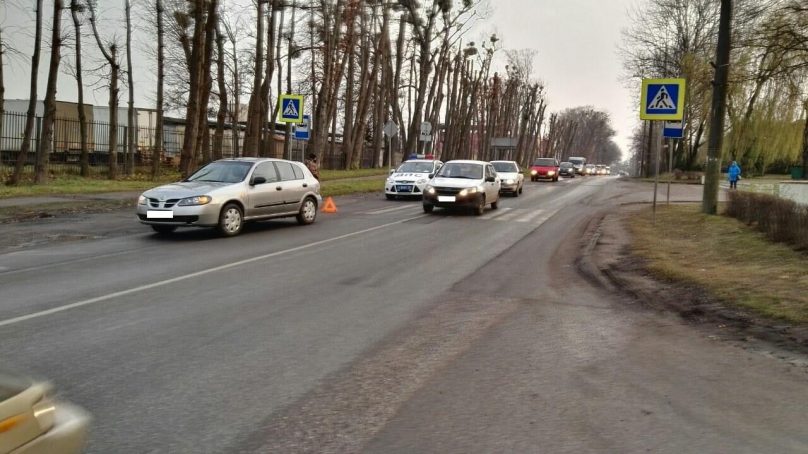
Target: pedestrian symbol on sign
<point x="290" y="110"/>
<point x="662" y="100"/>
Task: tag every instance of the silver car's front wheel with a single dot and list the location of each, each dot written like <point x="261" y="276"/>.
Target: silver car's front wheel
<point x="308" y="211"/>
<point x="231" y="220"/>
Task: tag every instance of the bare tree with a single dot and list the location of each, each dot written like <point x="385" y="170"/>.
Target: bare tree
<point x="254" y="120"/>
<point x="129" y="159"/>
<point x="25" y="147"/>
<point x="76" y="8"/>
<point x="221" y="116"/>
<point x="45" y="147"/>
<point x="110" y="54"/>
<point x="157" y="153"/>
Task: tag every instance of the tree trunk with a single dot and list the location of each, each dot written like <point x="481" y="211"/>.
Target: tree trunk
<point x="157" y="152"/>
<point x="254" y="120"/>
<point x="113" y="114"/>
<point x="221" y="117"/>
<point x="75" y="8"/>
<point x="718" y="109"/>
<point x="22" y="156"/>
<point x="131" y="144"/>
<point x="46" y="143"/>
<point x="805" y="142"/>
<point x="273" y="51"/>
<point x="196" y="66"/>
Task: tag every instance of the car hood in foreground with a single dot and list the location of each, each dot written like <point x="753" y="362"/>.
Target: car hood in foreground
<point x="184" y="189"/>
<point x="455" y="182"/>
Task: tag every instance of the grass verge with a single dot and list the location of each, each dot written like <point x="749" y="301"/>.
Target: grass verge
<point x="47" y="210"/>
<point x="722" y="255"/>
<point x="70" y="184"/>
<point x="351" y="186"/>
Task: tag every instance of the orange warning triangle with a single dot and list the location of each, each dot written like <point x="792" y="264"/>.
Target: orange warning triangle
<point x="329" y="206"/>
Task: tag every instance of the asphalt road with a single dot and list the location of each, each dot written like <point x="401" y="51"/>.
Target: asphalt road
<point x="380" y="329"/>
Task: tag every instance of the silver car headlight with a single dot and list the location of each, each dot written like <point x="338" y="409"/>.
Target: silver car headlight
<point x="429" y="189"/>
<point x="196" y="200"/>
<point x="467" y="191"/>
<point x="141" y="200"/>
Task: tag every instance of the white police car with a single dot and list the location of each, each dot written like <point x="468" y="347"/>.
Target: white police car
<point x="409" y="179"/>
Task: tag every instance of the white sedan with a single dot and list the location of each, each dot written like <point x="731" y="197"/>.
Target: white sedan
<point x="511" y="177"/>
<point x="410" y="177"/>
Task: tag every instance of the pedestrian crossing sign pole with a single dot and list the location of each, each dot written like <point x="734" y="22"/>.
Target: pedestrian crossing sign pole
<point x="290" y="109"/>
<point x="662" y="99"/>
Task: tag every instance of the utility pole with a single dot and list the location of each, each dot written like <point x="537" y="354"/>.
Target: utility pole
<point x="712" y="176"/>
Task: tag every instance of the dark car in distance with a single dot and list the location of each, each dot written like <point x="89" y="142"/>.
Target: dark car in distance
<point x="566" y="169"/>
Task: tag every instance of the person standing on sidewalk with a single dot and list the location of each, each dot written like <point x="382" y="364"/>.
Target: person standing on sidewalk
<point x="311" y="164"/>
<point x="734" y="174"/>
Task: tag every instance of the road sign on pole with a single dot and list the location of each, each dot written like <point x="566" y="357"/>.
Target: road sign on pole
<point x="290" y="109"/>
<point x="426" y="132"/>
<point x="673" y="130"/>
<point x="390" y="128"/>
<point x="662" y="99"/>
<point x="302" y="131"/>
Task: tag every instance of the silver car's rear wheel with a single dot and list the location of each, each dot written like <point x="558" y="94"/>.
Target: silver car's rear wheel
<point x="231" y="220"/>
<point x="308" y="211"/>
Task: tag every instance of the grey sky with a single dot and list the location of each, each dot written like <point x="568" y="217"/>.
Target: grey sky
<point x="576" y="40"/>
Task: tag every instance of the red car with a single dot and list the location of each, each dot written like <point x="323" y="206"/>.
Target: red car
<point x="544" y="169"/>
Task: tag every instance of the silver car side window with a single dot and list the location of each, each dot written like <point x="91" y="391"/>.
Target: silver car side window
<point x="266" y="170"/>
<point x="285" y="171"/>
<point x="299" y="175"/>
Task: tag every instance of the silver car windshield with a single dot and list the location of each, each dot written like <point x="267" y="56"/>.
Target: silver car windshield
<point x="415" y="167"/>
<point x="222" y="172"/>
<point x="461" y="170"/>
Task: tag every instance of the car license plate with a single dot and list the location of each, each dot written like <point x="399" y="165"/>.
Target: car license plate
<point x="160" y="214"/>
<point x="405" y="189"/>
<point x="446" y="198"/>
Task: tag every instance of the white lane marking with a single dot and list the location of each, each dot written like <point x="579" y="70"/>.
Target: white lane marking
<point x="511" y="215"/>
<point x="534" y="216"/>
<point x="495" y="214"/>
<point x="141" y="288"/>
<point x="389" y="210"/>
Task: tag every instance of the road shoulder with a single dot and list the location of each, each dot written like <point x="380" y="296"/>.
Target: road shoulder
<point x="607" y="260"/>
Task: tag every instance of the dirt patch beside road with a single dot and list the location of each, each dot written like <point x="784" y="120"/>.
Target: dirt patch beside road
<point x="609" y="261"/>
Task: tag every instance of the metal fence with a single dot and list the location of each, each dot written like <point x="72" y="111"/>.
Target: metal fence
<point x="66" y="154"/>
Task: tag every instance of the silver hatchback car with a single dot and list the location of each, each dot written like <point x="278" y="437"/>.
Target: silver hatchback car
<point x="227" y="193"/>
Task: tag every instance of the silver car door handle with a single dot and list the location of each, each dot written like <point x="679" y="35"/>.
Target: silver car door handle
<point x="305" y="185"/>
<point x="278" y="188"/>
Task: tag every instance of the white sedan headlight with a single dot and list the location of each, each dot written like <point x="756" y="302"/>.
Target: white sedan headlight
<point x="141" y="200"/>
<point x="422" y="181"/>
<point x="509" y="181"/>
<point x="467" y="191"/>
<point x="196" y="200"/>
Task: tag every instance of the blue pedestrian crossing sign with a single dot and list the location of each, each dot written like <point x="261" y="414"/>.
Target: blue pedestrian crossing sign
<point x="290" y="109"/>
<point x="662" y="99"/>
